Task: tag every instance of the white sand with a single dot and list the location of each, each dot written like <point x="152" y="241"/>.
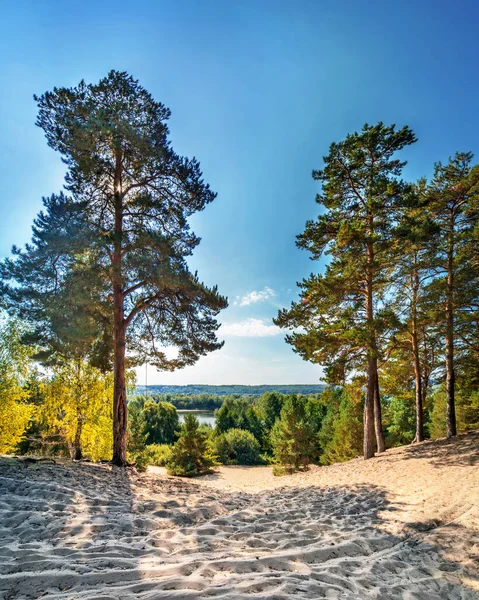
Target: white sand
<point x="401" y="526"/>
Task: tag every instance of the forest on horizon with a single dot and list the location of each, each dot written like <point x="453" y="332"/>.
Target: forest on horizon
<point x="227" y="390"/>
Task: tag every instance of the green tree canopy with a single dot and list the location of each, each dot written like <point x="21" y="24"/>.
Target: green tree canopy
<point x="238" y="413"/>
<point x="122" y="231"/>
<point x="453" y="202"/>
<point x="343" y="316"/>
<point x="293" y="435"/>
<point x="161" y="422"/>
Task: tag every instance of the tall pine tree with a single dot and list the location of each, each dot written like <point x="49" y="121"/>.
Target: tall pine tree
<point x="412" y="273"/>
<point x="122" y="230"/>
<point x="343" y="311"/>
<point x="453" y="204"/>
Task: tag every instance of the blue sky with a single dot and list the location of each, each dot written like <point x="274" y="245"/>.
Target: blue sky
<point x="258" y="90"/>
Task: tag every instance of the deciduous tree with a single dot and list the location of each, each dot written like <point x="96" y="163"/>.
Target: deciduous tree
<point x="15" y="365"/>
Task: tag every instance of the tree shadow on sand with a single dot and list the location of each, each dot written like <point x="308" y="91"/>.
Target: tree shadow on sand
<point x="91" y="532"/>
<point x="59" y="524"/>
<point x="326" y="543"/>
<point x="462" y="450"/>
<point x="86" y="531"/>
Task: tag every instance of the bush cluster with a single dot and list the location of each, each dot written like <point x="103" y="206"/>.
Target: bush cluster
<point x="237" y="447"/>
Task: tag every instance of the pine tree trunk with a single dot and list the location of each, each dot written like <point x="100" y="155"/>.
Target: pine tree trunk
<point x="369" y="411"/>
<point x="419" y="437"/>
<point x="450" y="375"/>
<point x="119" y="400"/>
<point x="378" y="422"/>
<point x="372" y="373"/>
<point x="119" y="387"/>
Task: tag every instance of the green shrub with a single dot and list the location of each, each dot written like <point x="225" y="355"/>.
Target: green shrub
<point x="280" y="470"/>
<point x="159" y="454"/>
<point x="141" y="460"/>
<point x="191" y="455"/>
<point x="238" y="447"/>
<point x="267" y="459"/>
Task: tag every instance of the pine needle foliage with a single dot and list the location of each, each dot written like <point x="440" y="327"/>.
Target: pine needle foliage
<point x="191" y="455"/>
<point x="343" y="315"/>
<point x="293" y="435"/>
<point x="114" y="246"/>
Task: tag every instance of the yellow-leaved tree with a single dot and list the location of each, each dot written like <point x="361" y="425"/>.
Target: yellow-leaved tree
<point x="15" y="366"/>
<point x="77" y="407"/>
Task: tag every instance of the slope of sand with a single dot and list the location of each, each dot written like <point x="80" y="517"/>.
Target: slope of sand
<point x="401" y="526"/>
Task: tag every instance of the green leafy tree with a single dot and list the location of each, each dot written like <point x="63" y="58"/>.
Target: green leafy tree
<point x="77" y="407"/>
<point x="122" y="230"/>
<point x="343" y="312"/>
<point x="293" y="436"/>
<point x="238" y="413"/>
<point x="237" y="447"/>
<point x="269" y="406"/>
<point x="191" y="455"/>
<point x="161" y="422"/>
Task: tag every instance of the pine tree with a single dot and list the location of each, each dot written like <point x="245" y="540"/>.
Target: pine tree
<point x="415" y="340"/>
<point x="122" y="231"/>
<point x="452" y="196"/>
<point x="67" y="319"/>
<point x="191" y="454"/>
<point x="343" y="312"/>
<point x="341" y="439"/>
<point x="293" y="436"/>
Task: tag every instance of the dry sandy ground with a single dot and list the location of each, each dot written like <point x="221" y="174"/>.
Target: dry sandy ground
<point x="401" y="526"/>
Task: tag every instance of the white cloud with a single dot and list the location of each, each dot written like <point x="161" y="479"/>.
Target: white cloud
<point x="255" y="296"/>
<point x="249" y="328"/>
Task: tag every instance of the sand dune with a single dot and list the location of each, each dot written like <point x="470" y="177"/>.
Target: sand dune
<point x="401" y="526"/>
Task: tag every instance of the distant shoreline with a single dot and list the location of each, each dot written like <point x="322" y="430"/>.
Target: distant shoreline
<point x="227" y="390"/>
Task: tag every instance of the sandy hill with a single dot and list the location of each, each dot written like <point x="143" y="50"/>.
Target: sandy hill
<point x="404" y="525"/>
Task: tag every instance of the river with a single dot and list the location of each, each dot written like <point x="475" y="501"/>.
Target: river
<point x="205" y="417"/>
